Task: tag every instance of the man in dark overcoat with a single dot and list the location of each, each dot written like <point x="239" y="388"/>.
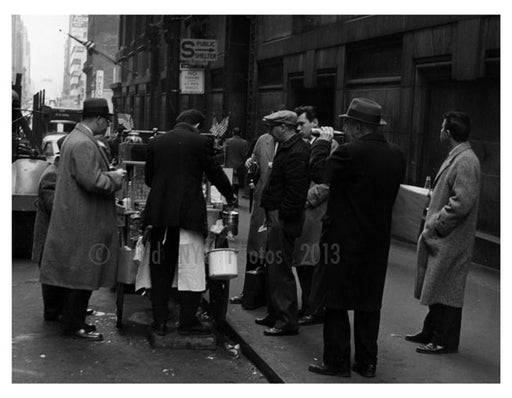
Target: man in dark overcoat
<point x="80" y="252"/>
<point x="364" y="177"/>
<point x="174" y="171"/>
<point x="236" y="150"/>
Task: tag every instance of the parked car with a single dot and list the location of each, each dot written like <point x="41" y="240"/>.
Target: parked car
<point x="50" y="148"/>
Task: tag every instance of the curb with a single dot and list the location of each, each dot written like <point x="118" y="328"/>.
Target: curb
<point x="267" y="371"/>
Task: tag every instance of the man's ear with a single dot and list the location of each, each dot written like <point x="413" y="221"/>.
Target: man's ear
<point x="315" y="122"/>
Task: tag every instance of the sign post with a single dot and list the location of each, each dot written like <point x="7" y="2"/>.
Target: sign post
<point x="194" y="55"/>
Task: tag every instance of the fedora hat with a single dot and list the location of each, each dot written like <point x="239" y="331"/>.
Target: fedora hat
<point x="96" y="107"/>
<point x="366" y="111"/>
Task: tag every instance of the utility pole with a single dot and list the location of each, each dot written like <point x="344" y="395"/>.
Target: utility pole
<point x="172" y="25"/>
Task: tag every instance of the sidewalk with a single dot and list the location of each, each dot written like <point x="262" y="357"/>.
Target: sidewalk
<point x="286" y="358"/>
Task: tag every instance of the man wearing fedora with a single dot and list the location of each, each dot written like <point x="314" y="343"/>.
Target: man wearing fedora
<point x="283" y="199"/>
<point x="364" y="176"/>
<point x="80" y="252"/>
<point x="445" y="246"/>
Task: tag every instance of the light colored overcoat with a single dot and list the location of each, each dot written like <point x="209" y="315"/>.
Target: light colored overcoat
<point x="263" y="153"/>
<point x="446" y="244"/>
<point x="81" y="247"/>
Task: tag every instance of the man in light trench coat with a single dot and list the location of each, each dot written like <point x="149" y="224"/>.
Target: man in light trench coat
<point x="80" y="252"/>
<point x="446" y="244"/>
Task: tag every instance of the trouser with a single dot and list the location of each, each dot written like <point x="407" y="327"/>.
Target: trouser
<point x="337" y="337"/>
<point x="53" y="301"/>
<point x="74" y="309"/>
<point x="282" y="304"/>
<point x="442" y="325"/>
<point x="163" y="262"/>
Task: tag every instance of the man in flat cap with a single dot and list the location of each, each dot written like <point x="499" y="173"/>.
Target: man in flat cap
<point x="364" y="176"/>
<point x="283" y="199"/>
<point x="80" y="252"/>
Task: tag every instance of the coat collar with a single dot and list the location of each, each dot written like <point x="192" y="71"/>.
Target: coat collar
<point x="377" y="136"/>
<point x="294" y="138"/>
<point x="451" y="156"/>
<point x="185" y="126"/>
<point x="85" y="130"/>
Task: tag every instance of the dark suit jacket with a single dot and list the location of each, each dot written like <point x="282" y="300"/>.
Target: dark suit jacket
<point x="364" y="178"/>
<point x="174" y="170"/>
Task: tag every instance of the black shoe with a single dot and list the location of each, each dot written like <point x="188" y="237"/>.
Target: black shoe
<point x="432" y="348"/>
<point x="89" y="311"/>
<point x="89" y="327"/>
<point x="310" y="320"/>
<point x="327" y="370"/>
<point x="265" y="321"/>
<point x="198" y="328"/>
<point x="236" y="299"/>
<point x="83" y="334"/>
<point x="364" y="370"/>
<point x="159" y="328"/>
<point x="280" y="332"/>
<point x="420" y="338"/>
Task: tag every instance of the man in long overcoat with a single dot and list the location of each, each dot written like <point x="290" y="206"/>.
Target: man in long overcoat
<point x="80" y="251"/>
<point x="262" y="155"/>
<point x="364" y="177"/>
<point x="53" y="296"/>
<point x="175" y="164"/>
<point x="445" y="246"/>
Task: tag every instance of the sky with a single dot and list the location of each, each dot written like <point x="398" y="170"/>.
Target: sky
<point x="47" y="46"/>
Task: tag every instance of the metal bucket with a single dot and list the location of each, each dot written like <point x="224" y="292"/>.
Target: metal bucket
<point x="230" y="219"/>
<point x="223" y="263"/>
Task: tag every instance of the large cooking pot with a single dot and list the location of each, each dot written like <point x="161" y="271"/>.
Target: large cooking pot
<point x="223" y="263"/>
<point x="230" y="219"/>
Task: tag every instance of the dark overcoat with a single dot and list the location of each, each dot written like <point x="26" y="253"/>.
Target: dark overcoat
<point x="174" y="170"/>
<point x="364" y="178"/>
<point x="445" y="247"/>
<point x="81" y="248"/>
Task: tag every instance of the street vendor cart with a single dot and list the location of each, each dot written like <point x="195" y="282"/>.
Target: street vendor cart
<point x="222" y="225"/>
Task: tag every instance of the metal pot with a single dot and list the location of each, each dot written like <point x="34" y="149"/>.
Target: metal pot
<point x="230" y="219"/>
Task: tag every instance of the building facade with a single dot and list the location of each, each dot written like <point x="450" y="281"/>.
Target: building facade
<point x="103" y="30"/>
<point x="20" y="56"/>
<point x="73" y="91"/>
<point x="416" y="66"/>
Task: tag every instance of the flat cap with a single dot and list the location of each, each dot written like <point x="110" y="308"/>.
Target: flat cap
<point x="285" y="117"/>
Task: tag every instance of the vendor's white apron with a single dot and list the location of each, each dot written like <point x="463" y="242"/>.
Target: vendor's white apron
<point x="190" y="274"/>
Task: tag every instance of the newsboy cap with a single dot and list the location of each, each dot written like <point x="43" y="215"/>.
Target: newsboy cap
<point x="366" y="111"/>
<point x="281" y="117"/>
<point x="96" y="107"/>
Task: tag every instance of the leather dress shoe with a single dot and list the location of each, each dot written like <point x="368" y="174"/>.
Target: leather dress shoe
<point x="432" y="348"/>
<point x="265" y="321"/>
<point x="236" y="299"/>
<point x="89" y="311"/>
<point x="83" y="334"/>
<point x="280" y="332"/>
<point x="420" y="338"/>
<point x="159" y="328"/>
<point x="310" y="320"/>
<point x="364" y="370"/>
<point x="327" y="370"/>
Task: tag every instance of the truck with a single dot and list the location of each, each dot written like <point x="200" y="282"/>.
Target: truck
<point x="30" y="159"/>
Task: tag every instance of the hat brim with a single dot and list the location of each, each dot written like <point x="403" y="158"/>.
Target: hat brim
<point x="381" y="123"/>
